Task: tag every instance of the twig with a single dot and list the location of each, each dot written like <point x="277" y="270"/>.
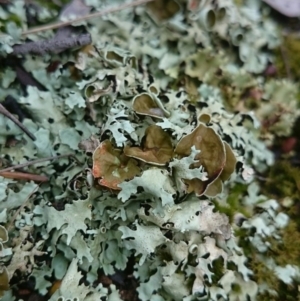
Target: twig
<point x="21" y="208"/>
<point x="24" y="176"/>
<point x="53" y="45"/>
<point x="26" y="78"/>
<point x="35" y="162"/>
<point x="86" y="17"/>
<point x="16" y="121"/>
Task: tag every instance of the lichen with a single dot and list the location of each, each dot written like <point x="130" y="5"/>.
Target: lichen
<point x="164" y="113"/>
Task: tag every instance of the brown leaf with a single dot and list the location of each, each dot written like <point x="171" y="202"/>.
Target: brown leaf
<point x="212" y="156"/>
<point x="112" y="167"/>
<point x="163" y="10"/>
<point x="196" y="185"/>
<point x="204" y="118"/>
<point x="4" y="281"/>
<point x="214" y="188"/>
<point x="3" y="234"/>
<point x="156" y="147"/>
<point x="144" y="104"/>
<point x="230" y="163"/>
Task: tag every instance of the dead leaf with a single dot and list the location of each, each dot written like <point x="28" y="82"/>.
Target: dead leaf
<point x="144" y="104"/>
<point x="4" y="280"/>
<point x="111" y="167"/>
<point x="163" y="10"/>
<point x="212" y="156"/>
<point x="156" y="147"/>
<point x="229" y="167"/>
<point x="216" y="186"/>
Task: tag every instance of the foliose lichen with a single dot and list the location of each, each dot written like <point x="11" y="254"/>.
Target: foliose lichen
<point x="151" y="186"/>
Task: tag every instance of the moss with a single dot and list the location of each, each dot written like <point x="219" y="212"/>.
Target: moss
<point x="288" y="57"/>
<point x="283" y="252"/>
<point x="283" y="180"/>
<point x="261" y="273"/>
<point x="234" y="202"/>
<point x="284" y="183"/>
<point x="287" y="251"/>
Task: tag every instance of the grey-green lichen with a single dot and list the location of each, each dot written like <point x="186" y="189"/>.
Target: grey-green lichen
<point x="157" y="92"/>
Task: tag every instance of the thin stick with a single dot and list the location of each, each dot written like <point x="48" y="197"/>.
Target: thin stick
<point x="34" y="162"/>
<point x="21" y="207"/>
<point x="86" y="17"/>
<point x="23" y="176"/>
<point x="16" y="121"/>
<point x="54" y="45"/>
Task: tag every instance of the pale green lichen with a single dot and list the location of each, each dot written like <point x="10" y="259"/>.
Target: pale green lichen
<point x="153" y="73"/>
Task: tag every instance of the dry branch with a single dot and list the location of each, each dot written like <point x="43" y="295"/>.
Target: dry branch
<point x="54" y="45"/>
<point x="23" y="176"/>
<point x="16" y="175"/>
<point x="16" y="121"/>
<point x="18" y="166"/>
